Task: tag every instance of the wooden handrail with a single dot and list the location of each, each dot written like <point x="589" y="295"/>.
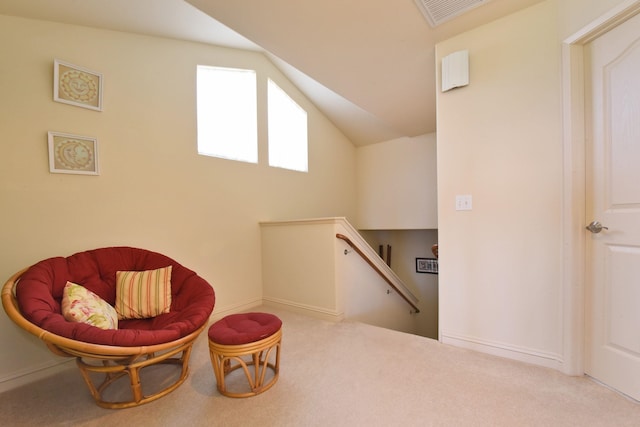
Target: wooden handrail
<point x="371" y="263"/>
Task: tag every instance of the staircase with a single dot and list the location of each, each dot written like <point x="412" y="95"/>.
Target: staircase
<point x="323" y="267"/>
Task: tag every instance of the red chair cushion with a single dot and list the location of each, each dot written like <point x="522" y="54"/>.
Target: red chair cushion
<point x="39" y="294"/>
<point x="244" y="328"/>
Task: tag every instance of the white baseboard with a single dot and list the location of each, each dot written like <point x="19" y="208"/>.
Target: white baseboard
<point x="539" y="358"/>
<point x="219" y="313"/>
<point x="313" y="311"/>
<point x="33" y="374"/>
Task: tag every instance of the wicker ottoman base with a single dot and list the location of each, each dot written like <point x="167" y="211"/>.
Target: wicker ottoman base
<point x="250" y="342"/>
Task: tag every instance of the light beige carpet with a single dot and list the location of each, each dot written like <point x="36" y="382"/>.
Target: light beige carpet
<point x="346" y="374"/>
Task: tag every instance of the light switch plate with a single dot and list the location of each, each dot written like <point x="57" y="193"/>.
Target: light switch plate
<point x="463" y="202"/>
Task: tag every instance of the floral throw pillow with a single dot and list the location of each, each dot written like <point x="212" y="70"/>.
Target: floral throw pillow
<point x="143" y="294"/>
<point x="79" y="304"/>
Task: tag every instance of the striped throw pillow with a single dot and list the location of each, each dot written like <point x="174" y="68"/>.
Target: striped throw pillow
<point x="143" y="294"/>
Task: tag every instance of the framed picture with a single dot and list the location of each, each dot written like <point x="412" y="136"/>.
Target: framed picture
<point x="427" y="265"/>
<point x="73" y="154"/>
<point x="77" y="85"/>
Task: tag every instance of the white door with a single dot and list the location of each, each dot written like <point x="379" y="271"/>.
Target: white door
<point x="612" y="99"/>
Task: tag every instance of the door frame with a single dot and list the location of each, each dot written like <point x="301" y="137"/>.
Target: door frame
<point x="574" y="179"/>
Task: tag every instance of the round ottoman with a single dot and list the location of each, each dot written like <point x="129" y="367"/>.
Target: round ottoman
<point x="246" y="341"/>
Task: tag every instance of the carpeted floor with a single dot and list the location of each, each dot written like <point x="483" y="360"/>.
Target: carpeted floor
<point x="346" y="374"/>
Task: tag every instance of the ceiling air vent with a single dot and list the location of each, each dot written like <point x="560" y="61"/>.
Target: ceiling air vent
<point x="439" y="11"/>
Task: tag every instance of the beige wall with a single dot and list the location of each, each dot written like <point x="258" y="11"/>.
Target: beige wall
<point x="154" y="191"/>
<point x="505" y="285"/>
<point x="499" y="140"/>
<point x="298" y="266"/>
<point x="396" y="183"/>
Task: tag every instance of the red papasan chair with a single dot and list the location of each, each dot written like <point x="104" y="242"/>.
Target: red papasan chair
<point x="161" y="309"/>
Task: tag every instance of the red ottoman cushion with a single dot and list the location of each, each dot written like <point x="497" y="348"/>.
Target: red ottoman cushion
<point x="244" y="328"/>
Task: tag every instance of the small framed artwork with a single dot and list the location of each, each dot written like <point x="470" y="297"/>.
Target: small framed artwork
<point x="73" y="154"/>
<point x="77" y="85"/>
<point x="427" y="265"/>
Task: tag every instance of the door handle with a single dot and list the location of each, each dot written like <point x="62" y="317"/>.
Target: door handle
<point x="595" y="227"/>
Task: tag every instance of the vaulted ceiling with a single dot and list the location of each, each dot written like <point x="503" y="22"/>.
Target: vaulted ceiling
<point x="369" y="66"/>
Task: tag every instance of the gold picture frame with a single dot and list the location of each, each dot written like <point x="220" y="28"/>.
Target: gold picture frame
<point x="73" y="154"/>
<point x="77" y="86"/>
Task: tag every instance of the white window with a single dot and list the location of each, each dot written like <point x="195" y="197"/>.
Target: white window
<point x="227" y="113"/>
<point x="287" y="123"/>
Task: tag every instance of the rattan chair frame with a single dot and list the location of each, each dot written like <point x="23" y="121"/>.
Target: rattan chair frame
<point x="112" y="361"/>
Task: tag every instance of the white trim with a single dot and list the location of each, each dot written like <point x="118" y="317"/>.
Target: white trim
<point x="313" y="311"/>
<point x="324" y="220"/>
<point x="522" y="354"/>
<point x="219" y="313"/>
<point x="574" y="181"/>
<point x="573" y="210"/>
<point x="616" y="16"/>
